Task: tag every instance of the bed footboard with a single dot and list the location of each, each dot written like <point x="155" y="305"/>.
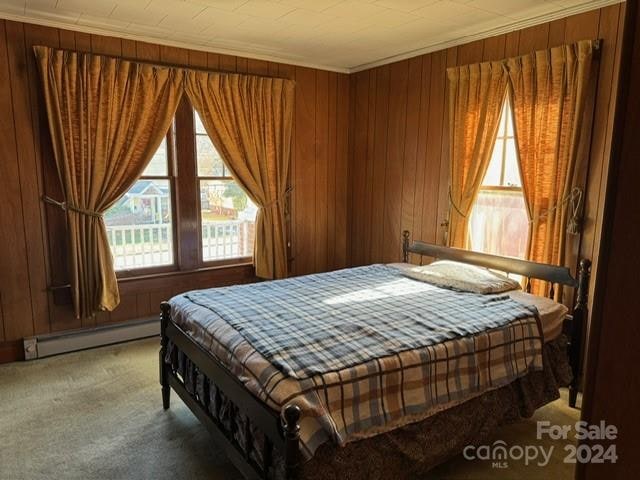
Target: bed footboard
<point x="281" y="435"/>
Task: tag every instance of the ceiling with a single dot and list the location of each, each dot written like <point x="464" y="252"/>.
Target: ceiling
<point x="340" y="35"/>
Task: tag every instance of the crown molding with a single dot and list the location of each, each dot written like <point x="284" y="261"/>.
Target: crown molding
<point x="517" y="25"/>
<point x="77" y="27"/>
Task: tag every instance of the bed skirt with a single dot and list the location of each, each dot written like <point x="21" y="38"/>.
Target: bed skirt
<point x="406" y="452"/>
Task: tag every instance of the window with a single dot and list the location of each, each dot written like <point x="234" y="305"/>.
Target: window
<point x="140" y="224"/>
<point x="499" y="222"/>
<point x="185" y="211"/>
<point x="227" y="215"/>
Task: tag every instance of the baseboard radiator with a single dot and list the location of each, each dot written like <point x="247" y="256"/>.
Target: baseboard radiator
<point x="56" y="343"/>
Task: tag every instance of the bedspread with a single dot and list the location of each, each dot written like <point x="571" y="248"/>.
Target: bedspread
<point x="362" y="350"/>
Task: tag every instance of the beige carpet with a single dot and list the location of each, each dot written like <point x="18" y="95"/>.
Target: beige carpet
<point x="97" y="415"/>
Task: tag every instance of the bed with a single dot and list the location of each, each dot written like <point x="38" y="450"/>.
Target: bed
<point x="314" y="377"/>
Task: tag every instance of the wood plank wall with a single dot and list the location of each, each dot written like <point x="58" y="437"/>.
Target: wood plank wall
<point x="31" y="259"/>
<point x="611" y="392"/>
<point x="399" y="170"/>
<point x="369" y="159"/>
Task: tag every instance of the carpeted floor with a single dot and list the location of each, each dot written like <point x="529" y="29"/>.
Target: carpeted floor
<point x="97" y="415"/>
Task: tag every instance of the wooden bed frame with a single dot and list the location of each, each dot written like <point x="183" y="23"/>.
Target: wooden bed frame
<point x="282" y="432"/>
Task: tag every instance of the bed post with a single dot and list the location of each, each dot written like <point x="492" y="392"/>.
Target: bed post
<point x="292" y="441"/>
<point x="580" y="311"/>
<point x="165" y="316"/>
<point x="405" y="246"/>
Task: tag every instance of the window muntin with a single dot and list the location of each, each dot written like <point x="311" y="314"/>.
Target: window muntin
<point x="227" y="214"/>
<point x="140" y="224"/>
<point x="499" y="222"/>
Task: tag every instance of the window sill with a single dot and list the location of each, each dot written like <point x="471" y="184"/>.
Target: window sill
<point x="62" y="293"/>
<point x="175" y="273"/>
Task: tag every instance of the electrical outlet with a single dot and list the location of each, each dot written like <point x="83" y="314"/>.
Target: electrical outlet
<point x="30" y="348"/>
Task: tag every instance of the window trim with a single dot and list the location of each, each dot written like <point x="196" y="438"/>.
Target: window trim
<point x="186" y="215"/>
<point x="140" y="275"/>
<point x="501" y="188"/>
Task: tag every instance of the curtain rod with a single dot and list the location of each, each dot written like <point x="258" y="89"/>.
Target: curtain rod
<point x="164" y="65"/>
<point x="595" y="43"/>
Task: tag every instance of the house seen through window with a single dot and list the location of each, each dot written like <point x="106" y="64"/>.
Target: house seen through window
<point x="139" y="225"/>
<point x="218" y="215"/>
<point x="499" y="222"/>
<point x="227" y="214"/>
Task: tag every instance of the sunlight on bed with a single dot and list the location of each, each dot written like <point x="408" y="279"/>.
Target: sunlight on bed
<point x="395" y="288"/>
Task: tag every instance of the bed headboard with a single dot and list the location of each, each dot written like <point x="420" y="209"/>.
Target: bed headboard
<point x="551" y="273"/>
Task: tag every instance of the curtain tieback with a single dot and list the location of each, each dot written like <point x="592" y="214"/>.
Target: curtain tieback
<point x="66" y="206"/>
<point x="453" y="204"/>
<point x="574" y="198"/>
<point x="278" y="199"/>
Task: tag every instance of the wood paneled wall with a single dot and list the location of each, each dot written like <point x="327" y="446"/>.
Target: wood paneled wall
<point x="399" y="170"/>
<point x="369" y="160"/>
<point x="612" y="390"/>
<point x="30" y="258"/>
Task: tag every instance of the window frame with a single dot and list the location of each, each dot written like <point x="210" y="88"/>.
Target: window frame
<point x="219" y="262"/>
<point x="171" y="178"/>
<point x="502" y="135"/>
<point x="186" y="214"/>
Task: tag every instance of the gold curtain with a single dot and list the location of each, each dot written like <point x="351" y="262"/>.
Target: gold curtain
<point x="476" y="93"/>
<point x="549" y="92"/>
<point x="249" y="120"/>
<point x="107" y="117"/>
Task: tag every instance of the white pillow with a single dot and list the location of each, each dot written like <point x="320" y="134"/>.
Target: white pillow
<point x="462" y="276"/>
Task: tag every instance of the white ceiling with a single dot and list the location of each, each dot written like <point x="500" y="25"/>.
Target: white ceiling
<point x="341" y="35"/>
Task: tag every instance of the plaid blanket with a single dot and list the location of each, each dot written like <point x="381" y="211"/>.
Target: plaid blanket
<point x="362" y="350"/>
<point x="317" y="324"/>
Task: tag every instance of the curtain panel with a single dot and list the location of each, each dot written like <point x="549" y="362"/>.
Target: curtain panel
<point x="107" y="117"/>
<point x="549" y="90"/>
<point x="476" y="94"/>
<point x="249" y="120"/>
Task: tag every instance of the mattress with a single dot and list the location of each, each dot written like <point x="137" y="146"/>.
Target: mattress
<point x="552" y="314"/>
<point x="374" y="395"/>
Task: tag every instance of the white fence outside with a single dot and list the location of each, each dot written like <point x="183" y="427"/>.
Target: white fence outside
<point x="231" y="239"/>
<point x="151" y="245"/>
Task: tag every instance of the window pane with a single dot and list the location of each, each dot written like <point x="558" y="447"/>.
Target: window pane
<point x="505" y="119"/>
<point x="157" y="166"/>
<point x="511" y="166"/>
<point x="492" y="177"/>
<point x="507" y="114"/>
<point x="499" y="223"/>
<point x="139" y="226"/>
<point x="210" y="162"/>
<point x="199" y="126"/>
<point x="228" y="220"/>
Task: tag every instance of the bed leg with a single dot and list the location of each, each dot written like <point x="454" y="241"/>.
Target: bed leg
<point x="165" y="315"/>
<point x="573" y="395"/>
<point x="292" y="441"/>
<point x="578" y="329"/>
<point x="405" y="246"/>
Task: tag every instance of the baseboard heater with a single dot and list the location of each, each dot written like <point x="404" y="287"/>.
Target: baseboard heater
<point x="57" y="343"/>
